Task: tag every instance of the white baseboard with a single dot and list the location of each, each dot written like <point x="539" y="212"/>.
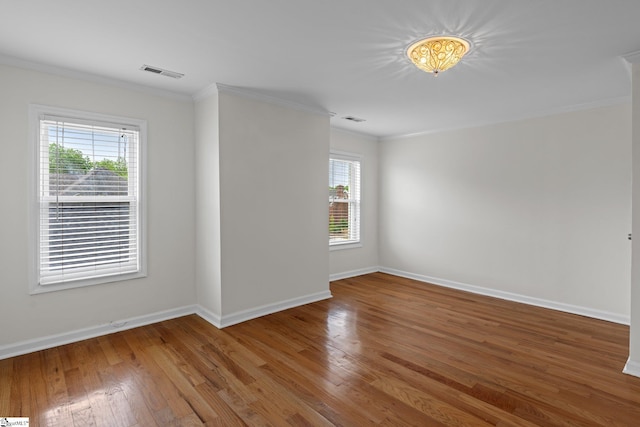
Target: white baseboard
<point x="209" y="316"/>
<point x="353" y="273"/>
<point x="219" y="322"/>
<point x="24" y="347"/>
<point x="567" y="308"/>
<point x="632" y="368"/>
<point x="50" y="341"/>
<point x="253" y="313"/>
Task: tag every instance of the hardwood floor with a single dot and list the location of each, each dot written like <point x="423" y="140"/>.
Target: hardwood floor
<point x="384" y="351"/>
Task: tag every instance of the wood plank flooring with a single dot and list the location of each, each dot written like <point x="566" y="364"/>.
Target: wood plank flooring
<point x="383" y="351"/>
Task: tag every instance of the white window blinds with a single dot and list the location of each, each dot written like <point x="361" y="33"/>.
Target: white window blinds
<point x="344" y="199"/>
<point x="89" y="199"/>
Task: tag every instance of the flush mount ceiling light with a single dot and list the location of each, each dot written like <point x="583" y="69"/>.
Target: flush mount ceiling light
<point x="437" y="54"/>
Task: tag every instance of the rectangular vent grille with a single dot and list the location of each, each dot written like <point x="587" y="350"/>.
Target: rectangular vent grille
<point x="354" y="119"/>
<point x="161" y="71"/>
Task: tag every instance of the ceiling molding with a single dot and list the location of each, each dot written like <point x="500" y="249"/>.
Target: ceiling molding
<point x="93" y="78"/>
<point x="551" y="112"/>
<point x="493" y="82"/>
<point x="632" y="57"/>
<point x="252" y="94"/>
<point x="205" y="92"/>
<point x="368" y="136"/>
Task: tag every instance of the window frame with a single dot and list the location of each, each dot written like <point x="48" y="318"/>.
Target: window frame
<point x="357" y="202"/>
<point x="35" y="210"/>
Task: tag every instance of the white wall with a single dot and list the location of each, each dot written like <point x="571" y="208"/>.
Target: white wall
<point x="347" y="262"/>
<point x="633" y="365"/>
<point x="170" y="198"/>
<point x="208" y="279"/>
<point x="273" y="192"/>
<point x="538" y="208"/>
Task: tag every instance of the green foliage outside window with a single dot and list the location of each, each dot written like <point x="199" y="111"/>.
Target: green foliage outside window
<point x="68" y="160"/>
<point x="119" y="167"/>
<point x="338" y="226"/>
<point x="345" y="187"/>
<point x="72" y="161"/>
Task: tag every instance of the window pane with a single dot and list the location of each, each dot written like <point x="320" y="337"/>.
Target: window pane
<point x="88" y="187"/>
<point x="338" y="221"/>
<point x="90" y="237"/>
<point x="344" y="200"/>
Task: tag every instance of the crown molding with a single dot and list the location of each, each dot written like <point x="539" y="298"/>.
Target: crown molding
<point x="368" y="136"/>
<point x="632" y="57"/>
<point x="252" y="94"/>
<point x="93" y="78"/>
<point x="516" y="118"/>
<point x="205" y="92"/>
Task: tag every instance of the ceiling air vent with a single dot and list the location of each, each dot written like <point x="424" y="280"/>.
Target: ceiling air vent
<point x="162" y="72"/>
<point x="354" y="119"/>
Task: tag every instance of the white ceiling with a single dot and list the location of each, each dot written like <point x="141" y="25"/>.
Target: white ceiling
<point x="528" y="57"/>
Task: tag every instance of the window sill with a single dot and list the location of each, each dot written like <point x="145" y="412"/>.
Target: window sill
<point x="346" y="245"/>
<point x="41" y="289"/>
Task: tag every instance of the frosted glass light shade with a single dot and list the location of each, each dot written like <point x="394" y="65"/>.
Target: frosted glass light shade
<point x="436" y="54"/>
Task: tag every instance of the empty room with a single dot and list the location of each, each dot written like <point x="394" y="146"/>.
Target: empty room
<point x="330" y="213"/>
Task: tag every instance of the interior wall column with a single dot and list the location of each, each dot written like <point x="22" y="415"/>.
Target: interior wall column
<point x="633" y="364"/>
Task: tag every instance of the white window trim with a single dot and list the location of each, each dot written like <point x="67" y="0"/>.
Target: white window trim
<point x="33" y="214"/>
<point x="346" y="245"/>
<point x="344" y="155"/>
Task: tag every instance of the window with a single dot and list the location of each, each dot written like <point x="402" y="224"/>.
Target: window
<point x="344" y="199"/>
<point x="87" y="205"/>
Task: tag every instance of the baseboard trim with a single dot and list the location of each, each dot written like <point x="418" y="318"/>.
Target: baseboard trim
<point x="50" y="341"/>
<point x="253" y="313"/>
<point x="353" y="273"/>
<point x="209" y="316"/>
<point x="29" y="346"/>
<point x="567" y="308"/>
<point x="632" y="368"/>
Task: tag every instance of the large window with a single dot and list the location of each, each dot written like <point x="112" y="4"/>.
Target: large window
<point x="88" y="204"/>
<point x="344" y="199"/>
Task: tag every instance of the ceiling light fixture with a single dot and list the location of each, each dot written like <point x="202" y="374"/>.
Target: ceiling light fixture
<point x="437" y="54"/>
